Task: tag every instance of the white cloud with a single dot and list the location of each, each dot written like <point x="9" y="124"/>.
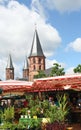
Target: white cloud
<point x="49" y="63"/>
<point x="75" y="45"/>
<point x="2" y="67"/>
<point x="61" y="5"/>
<point x="37" y="6"/>
<point x="16" y="34"/>
<point x="51" y="40"/>
<point x="69" y="71"/>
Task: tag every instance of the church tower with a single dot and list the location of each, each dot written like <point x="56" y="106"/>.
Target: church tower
<point x="36" y="57"/>
<point x="26" y="69"/>
<point x="9" y="69"/>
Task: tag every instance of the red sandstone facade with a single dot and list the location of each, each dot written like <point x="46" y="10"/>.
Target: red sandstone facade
<point x="25" y="73"/>
<point x="9" y="73"/>
<point x="36" y="63"/>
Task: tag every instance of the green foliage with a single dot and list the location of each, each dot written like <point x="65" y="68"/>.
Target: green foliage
<point x="8" y="125"/>
<point x="56" y="113"/>
<point x="52" y="112"/>
<point x="57" y="70"/>
<point x="9" y="114"/>
<point x="31" y="123"/>
<point x="1" y="116"/>
<point x="77" y="69"/>
<point x="34" y="106"/>
<point x="35" y="123"/>
<point x="24" y="111"/>
<point x="45" y="105"/>
<point x="40" y="74"/>
<point x="22" y="125"/>
<point x="6" y="118"/>
<point x="63" y="108"/>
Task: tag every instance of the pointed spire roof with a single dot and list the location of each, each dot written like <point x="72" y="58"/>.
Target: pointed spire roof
<point x="36" y="49"/>
<point x="25" y="64"/>
<point x="9" y="63"/>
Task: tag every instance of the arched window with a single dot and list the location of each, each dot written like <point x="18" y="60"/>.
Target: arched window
<point x="33" y="59"/>
<point x="39" y="60"/>
<point x="34" y="68"/>
<point x="40" y="67"/>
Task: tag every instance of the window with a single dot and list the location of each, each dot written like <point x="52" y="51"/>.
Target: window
<point x="34" y="68"/>
<point x="34" y="60"/>
<point x="39" y="60"/>
<point x="40" y="67"/>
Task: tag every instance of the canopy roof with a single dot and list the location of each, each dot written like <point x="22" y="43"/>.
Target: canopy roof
<point x="43" y="84"/>
<point x="58" y="83"/>
<point x="15" y="85"/>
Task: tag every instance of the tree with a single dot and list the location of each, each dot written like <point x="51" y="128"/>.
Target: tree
<point x="77" y="69"/>
<point x="57" y="70"/>
<point x="40" y="74"/>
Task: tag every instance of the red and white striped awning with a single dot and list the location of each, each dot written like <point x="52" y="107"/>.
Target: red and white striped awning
<point x="43" y="84"/>
<point x="15" y="86"/>
<point x="58" y="83"/>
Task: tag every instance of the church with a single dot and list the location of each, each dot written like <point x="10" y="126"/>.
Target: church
<point x="32" y="64"/>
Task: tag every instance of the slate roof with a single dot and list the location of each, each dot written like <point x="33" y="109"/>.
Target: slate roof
<point x="36" y="49"/>
<point x="48" y="71"/>
<point x="25" y="64"/>
<point x="9" y="63"/>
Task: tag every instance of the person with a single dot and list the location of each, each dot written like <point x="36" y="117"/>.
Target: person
<point x="25" y="103"/>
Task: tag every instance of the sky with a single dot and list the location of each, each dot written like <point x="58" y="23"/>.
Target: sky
<point x="58" y="24"/>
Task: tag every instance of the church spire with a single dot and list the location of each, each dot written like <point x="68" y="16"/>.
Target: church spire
<point x="36" y="57"/>
<point x="9" y="63"/>
<point x="9" y="69"/>
<point x="26" y="69"/>
<point x="25" y="64"/>
<point x="36" y="49"/>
